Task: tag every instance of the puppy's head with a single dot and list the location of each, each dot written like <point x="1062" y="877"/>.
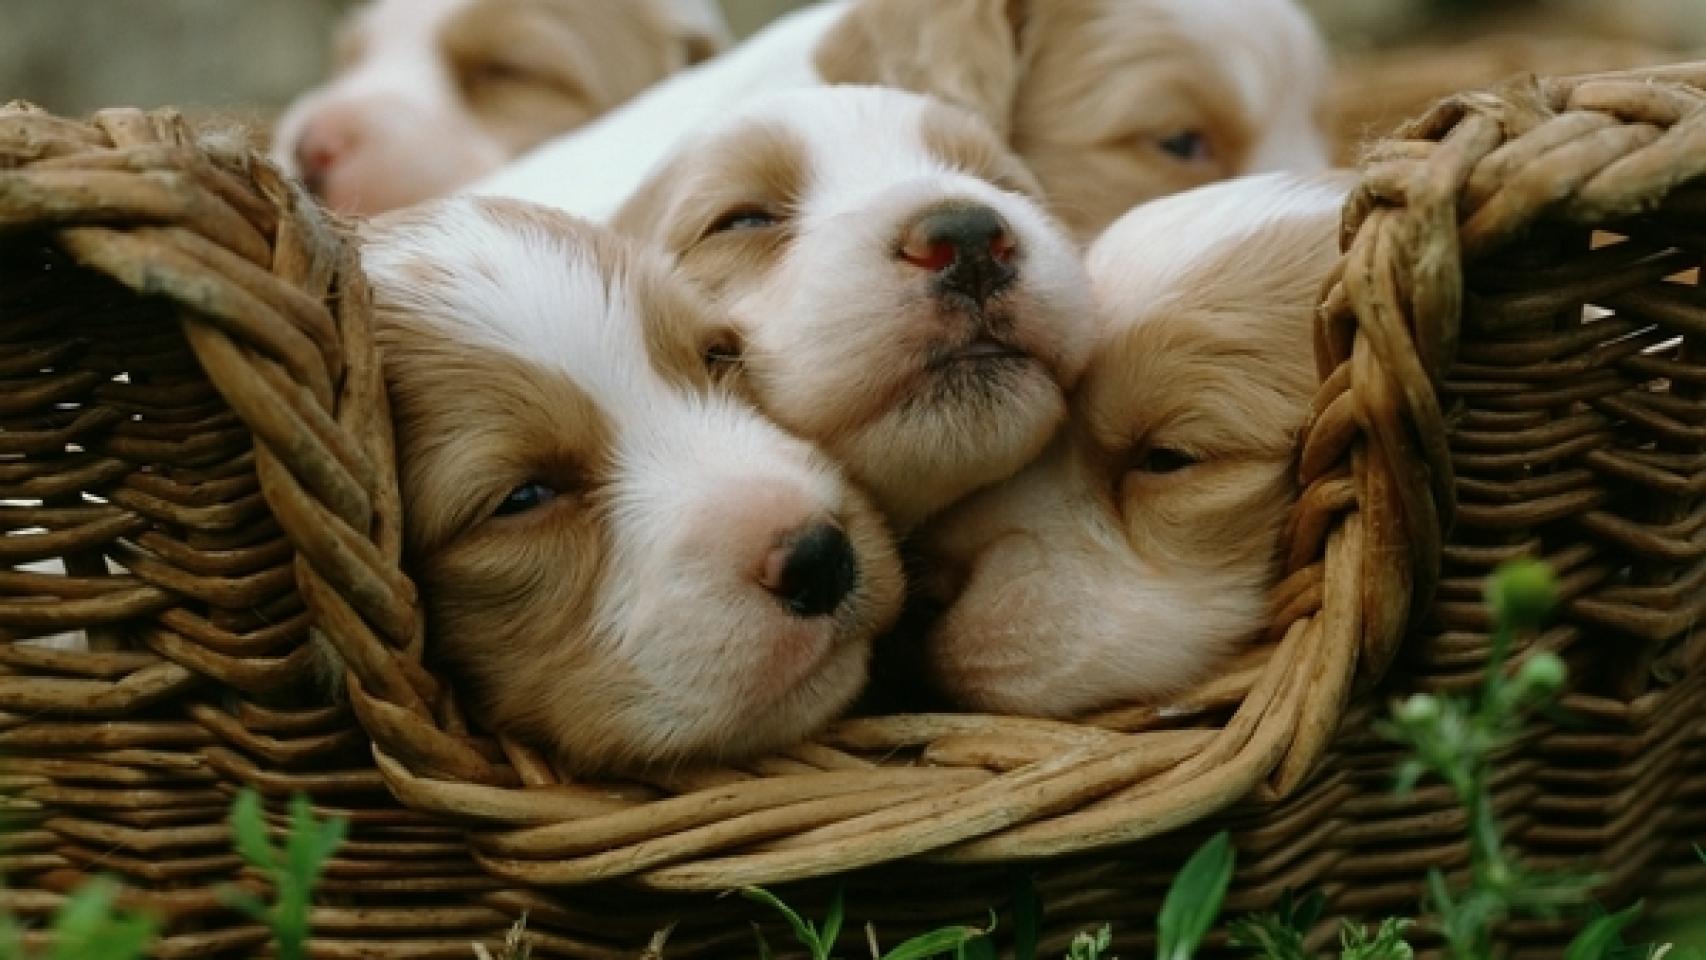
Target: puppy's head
<point x="427" y="95"/>
<point x="1139" y="549"/>
<point x="1110" y="102"/>
<point x="620" y="558"/>
<point x="905" y="300"/>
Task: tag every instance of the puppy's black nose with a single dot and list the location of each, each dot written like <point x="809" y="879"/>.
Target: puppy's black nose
<point x="815" y="572"/>
<point x="967" y="245"/>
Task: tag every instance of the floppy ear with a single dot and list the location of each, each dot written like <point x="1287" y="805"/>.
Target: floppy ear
<point x="964" y="52"/>
<point x="699" y="26"/>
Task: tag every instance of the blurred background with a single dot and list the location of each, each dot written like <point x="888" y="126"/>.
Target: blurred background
<point x="74" y="56"/>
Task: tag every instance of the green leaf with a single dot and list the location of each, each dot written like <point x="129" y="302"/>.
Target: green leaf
<point x="1307" y="912"/>
<point x="250" y="829"/>
<point x="239" y="899"/>
<point x="978" y="948"/>
<point x="89" y="927"/>
<point x="803" y="931"/>
<point x="1027" y="917"/>
<point x="832" y="922"/>
<point x="1090" y="946"/>
<point x="1601" y="935"/>
<point x="1387" y="944"/>
<point x="763" y="944"/>
<point x="936" y="943"/>
<point x="1194" y="899"/>
<point x="1270" y="936"/>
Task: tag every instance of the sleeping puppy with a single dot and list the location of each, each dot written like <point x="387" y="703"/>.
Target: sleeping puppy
<point x="1137" y="553"/>
<point x="620" y="558"/>
<point x="427" y="95"/>
<point x="1110" y="102"/>
<point x="905" y="301"/>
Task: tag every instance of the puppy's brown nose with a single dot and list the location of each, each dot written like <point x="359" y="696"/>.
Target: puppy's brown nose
<point x="813" y="572"/>
<point x="967" y="245"/>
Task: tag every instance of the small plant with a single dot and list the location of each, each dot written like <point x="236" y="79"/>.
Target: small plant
<point x="292" y="871"/>
<point x="1456" y="740"/>
<point x="1193" y="900"/>
<point x="960" y="941"/>
<point x="88" y="926"/>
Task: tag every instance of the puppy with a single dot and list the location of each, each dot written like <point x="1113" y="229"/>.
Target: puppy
<point x="427" y="95"/>
<point x="1138" y="551"/>
<point x="620" y="558"/>
<point x="905" y="301"/>
<point x="1110" y="102"/>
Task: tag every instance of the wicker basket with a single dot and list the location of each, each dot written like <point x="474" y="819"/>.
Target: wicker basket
<point x="188" y="391"/>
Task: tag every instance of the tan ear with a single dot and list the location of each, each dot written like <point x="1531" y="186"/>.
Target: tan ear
<point x="964" y="52"/>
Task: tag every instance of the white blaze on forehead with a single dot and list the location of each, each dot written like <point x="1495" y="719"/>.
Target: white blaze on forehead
<point x="859" y="141"/>
<point x="517" y="289"/>
<point x="1141" y="258"/>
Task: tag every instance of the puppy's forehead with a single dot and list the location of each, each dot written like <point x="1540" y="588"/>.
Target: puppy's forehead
<point x="852" y="138"/>
<point x="1148" y="256"/>
<point x="538" y="285"/>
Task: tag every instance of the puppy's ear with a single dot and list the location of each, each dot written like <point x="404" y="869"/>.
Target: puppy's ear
<point x="964" y="52"/>
<point x="699" y="27"/>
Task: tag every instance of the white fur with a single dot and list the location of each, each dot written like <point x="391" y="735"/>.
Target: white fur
<point x="1195" y="224"/>
<point x="677" y="604"/>
<point x="840" y="320"/>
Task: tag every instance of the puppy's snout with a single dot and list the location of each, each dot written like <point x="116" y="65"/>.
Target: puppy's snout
<point x="968" y="246"/>
<point x="812" y="571"/>
<point x="326" y="142"/>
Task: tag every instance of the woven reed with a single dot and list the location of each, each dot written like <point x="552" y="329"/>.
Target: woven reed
<point x="238" y="476"/>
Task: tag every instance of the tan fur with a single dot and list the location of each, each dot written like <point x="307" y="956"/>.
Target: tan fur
<point x="763" y="169"/>
<point x="1083" y="89"/>
<point x="1094" y="578"/>
<point x="532" y="68"/>
<point x="512" y="601"/>
<point x="965" y="52"/>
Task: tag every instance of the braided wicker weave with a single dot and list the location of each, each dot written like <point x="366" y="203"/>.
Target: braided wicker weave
<point x="190" y="412"/>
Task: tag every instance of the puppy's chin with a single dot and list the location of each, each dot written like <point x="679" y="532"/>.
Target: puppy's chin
<point x="964" y="425"/>
<point x="921" y="399"/>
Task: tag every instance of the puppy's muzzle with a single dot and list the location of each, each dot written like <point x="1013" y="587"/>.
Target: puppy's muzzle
<point x="969" y="247"/>
<point x="812" y="571"/>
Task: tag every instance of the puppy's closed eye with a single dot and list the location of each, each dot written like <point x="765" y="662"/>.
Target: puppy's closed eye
<point x="1188" y="145"/>
<point x="741" y="218"/>
<point x="723" y="353"/>
<point x="1162" y="460"/>
<point x="527" y="497"/>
